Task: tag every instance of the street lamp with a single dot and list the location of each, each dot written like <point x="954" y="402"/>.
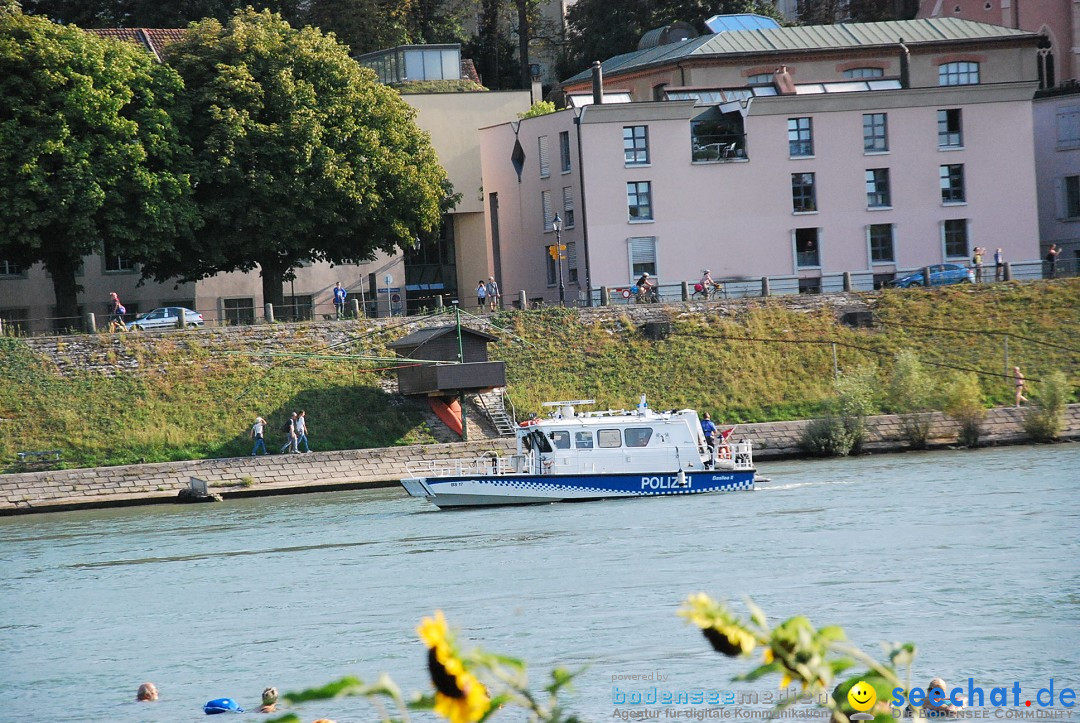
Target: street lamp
<point x="556" y="223"/>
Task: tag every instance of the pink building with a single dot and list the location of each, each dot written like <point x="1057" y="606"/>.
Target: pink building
<point x="866" y="172"/>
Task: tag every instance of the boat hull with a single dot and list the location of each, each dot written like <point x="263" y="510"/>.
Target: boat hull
<point x="449" y="492"/>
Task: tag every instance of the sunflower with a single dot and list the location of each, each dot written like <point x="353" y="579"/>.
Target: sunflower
<point x="459" y="696"/>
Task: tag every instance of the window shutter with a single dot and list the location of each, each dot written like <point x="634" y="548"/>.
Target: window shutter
<point x="549" y="214"/>
<point x="545" y="167"/>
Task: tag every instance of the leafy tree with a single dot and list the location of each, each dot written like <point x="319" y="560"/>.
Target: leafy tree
<point x="88" y="151"/>
<point x="600" y="29"/>
<point x="299" y="154"/>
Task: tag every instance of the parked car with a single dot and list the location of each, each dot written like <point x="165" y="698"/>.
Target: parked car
<point x="165" y="317"/>
<point x="940" y="274"/>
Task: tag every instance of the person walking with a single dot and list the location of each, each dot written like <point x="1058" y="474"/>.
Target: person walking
<point x="1051" y="260"/>
<point x="339" y="300"/>
<point x="290" y="435"/>
<point x="999" y="265"/>
<point x="493" y="293"/>
<point x="257" y="431"/>
<point x="1018" y="379"/>
<point x="481" y="295"/>
<point x="301" y="431"/>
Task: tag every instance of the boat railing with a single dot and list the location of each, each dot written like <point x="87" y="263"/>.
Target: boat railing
<point x="466" y="467"/>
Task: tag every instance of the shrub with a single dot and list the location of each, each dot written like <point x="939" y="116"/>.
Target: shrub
<point x="964" y="403"/>
<point x="829" y="436"/>
<point x="1045" y="420"/>
<point x="908" y="395"/>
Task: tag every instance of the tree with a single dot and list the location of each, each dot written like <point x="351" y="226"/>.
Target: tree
<point x="600" y="29"/>
<point x="299" y="154"/>
<point x="89" y="154"/>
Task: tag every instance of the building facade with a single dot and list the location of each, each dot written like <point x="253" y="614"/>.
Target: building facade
<point x="860" y="165"/>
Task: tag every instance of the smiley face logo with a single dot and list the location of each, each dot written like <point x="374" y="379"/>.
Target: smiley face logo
<point x="862" y="696"/>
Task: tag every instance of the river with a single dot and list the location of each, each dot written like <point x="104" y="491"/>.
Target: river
<point x="972" y="555"/>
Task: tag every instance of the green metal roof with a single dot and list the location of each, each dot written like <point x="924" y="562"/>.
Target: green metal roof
<point x="807" y="37"/>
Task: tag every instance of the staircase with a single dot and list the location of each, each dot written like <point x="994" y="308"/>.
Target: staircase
<point x="494" y="405"/>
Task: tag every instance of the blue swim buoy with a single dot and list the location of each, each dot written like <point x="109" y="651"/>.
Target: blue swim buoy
<point x="222" y="705"/>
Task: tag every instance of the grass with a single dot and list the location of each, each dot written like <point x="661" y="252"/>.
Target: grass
<point x="756" y="362"/>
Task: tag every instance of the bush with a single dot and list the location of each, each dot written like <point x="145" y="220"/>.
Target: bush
<point x="908" y="395"/>
<point x="1045" y="420"/>
<point x="830" y="436"/>
<point x="964" y="403"/>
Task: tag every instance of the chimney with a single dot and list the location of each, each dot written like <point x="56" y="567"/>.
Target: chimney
<point x="597" y="83"/>
<point x="905" y="65"/>
<point x="782" y="79"/>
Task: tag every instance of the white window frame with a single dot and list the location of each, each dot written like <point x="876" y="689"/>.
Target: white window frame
<point x="644" y="257"/>
<point x="542" y="152"/>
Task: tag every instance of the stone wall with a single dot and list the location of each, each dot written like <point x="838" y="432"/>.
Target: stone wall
<point x="323" y="471"/>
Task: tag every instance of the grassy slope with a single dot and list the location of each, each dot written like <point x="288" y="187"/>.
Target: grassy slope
<point x="200" y="404"/>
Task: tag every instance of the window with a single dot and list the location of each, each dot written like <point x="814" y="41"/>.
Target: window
<point x="560" y="440"/>
<point x="549" y="210"/>
<point x="877" y="188"/>
<point x="583" y="440"/>
<point x="875" y="133"/>
<point x="239" y="311"/>
<point x="635" y="141"/>
<point x="545" y="166"/>
<point x="952" y="183"/>
<point x="760" y="79"/>
<point x="638" y="436"/>
<point x="639" y="200"/>
<point x="949" y="133"/>
<point x="806" y="247"/>
<point x="955" y="232"/>
<point x="1072" y="196"/>
<point x="115" y="263"/>
<point x="564" y="150"/>
<point x="608" y="438"/>
<point x="552" y="265"/>
<point x="864" y="73"/>
<point x="642" y="256"/>
<point x="881" y="243"/>
<point x="961" y="73"/>
<point x="568" y="207"/>
<point x="1068" y="127"/>
<point x="571" y="261"/>
<point x="10" y="268"/>
<point x="800" y="135"/>
<point x="803" y="198"/>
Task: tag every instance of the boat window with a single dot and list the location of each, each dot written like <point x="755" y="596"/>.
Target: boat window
<point x="608" y="438"/>
<point x="638" y="436"/>
<point x="561" y="440"/>
<point x="583" y="440"/>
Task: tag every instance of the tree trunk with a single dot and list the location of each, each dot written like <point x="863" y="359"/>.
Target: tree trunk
<point x="272" y="281"/>
<point x="62" y="268"/>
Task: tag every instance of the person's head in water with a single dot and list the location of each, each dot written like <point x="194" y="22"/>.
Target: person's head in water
<point x="147" y="693"/>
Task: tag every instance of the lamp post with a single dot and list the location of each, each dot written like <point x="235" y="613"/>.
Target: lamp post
<point x="556" y="223"/>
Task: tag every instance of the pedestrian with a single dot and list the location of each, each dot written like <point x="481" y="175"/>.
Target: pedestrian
<point x="493" y="293"/>
<point x="257" y="431"/>
<point x="976" y="260"/>
<point x="116" y="313"/>
<point x="999" y="265"/>
<point x="147" y="693"/>
<point x="301" y="431"/>
<point x="1051" y="260"/>
<point x="339" y="300"/>
<point x="1018" y="379"/>
<point x="481" y="295"/>
<point x="290" y="435"/>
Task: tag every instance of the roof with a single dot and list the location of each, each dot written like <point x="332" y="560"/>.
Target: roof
<point x="807" y="38"/>
<point x="152" y="39"/>
<point x="423" y="336"/>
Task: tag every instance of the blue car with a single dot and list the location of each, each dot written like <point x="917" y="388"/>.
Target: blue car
<point x="940" y="274"/>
